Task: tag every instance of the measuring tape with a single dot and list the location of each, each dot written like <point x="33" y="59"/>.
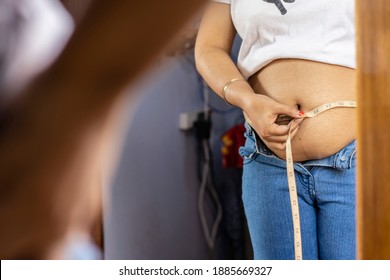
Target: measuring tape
<point x="291" y="176"/>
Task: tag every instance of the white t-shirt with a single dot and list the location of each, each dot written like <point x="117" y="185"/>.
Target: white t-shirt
<point x="318" y="30"/>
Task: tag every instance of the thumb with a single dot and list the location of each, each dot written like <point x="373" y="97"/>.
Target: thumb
<point x="289" y="111"/>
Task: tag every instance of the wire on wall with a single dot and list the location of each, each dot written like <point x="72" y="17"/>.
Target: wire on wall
<point x="203" y="130"/>
<point x="207" y="181"/>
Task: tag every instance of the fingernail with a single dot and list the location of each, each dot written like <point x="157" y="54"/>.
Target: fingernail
<point x="300" y="113"/>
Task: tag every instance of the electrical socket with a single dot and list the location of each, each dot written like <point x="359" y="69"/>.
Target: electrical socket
<point x="187" y="120"/>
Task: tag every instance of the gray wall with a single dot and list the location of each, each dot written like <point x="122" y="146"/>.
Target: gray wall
<point x="151" y="211"/>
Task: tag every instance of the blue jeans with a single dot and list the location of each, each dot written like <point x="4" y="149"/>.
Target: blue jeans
<point x="326" y="195"/>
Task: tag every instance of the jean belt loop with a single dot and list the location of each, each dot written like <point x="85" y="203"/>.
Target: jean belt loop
<point x="254" y="135"/>
<point x="250" y="132"/>
<point x="343" y="159"/>
<point x="257" y="145"/>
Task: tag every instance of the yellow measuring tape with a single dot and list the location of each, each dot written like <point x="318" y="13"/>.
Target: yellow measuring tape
<point x="291" y="176"/>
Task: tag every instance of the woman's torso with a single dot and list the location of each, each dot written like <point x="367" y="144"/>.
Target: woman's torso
<point x="306" y="85"/>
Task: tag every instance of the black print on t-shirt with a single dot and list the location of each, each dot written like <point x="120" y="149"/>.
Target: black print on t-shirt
<point x="279" y="4"/>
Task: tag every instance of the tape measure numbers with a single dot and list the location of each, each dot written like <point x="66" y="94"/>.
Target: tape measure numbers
<point x="290" y="170"/>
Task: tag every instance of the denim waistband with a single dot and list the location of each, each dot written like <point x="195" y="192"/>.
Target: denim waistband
<point x="340" y="160"/>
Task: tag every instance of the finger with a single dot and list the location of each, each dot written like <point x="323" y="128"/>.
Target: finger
<point x="281" y="138"/>
<point x="277" y="130"/>
<point x="283" y="120"/>
<point x="278" y="139"/>
<point x="272" y="145"/>
<point x="295" y="123"/>
<point x="293" y="133"/>
<point x="289" y="111"/>
<point x="281" y="130"/>
<point x="277" y="146"/>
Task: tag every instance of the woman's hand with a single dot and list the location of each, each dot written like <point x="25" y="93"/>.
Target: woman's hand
<point x="263" y="112"/>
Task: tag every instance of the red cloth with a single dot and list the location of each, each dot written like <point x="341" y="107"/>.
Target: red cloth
<point x="232" y="140"/>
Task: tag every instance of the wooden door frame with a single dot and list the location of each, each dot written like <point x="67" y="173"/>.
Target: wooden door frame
<point x="373" y="141"/>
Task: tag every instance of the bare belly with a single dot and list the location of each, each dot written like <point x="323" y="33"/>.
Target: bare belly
<point x="306" y="85"/>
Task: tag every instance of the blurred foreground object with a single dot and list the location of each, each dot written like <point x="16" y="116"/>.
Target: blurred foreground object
<point x="56" y="133"/>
